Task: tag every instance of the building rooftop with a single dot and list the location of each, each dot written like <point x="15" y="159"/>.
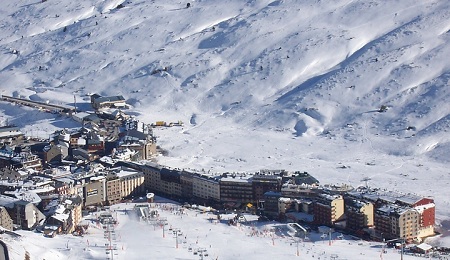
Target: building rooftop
<point x="236" y="177"/>
<point x="8" y="128"/>
<point x="245" y="179"/>
<point x="124" y="172"/>
<point x="284" y="199"/>
<point x="109" y="99"/>
<point x="60" y="217"/>
<point x="97" y="178"/>
<point x="330" y="197"/>
<point x="393" y="209"/>
<point x="356" y="203"/>
<point x="272" y="194"/>
<point x="7" y="201"/>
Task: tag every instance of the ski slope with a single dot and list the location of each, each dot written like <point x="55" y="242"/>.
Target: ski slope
<point x="296" y="85"/>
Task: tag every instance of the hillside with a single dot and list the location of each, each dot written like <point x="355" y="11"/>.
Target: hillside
<point x="286" y="84"/>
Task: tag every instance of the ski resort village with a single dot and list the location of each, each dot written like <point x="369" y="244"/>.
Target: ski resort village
<point x="75" y="180"/>
<point x="224" y="129"/>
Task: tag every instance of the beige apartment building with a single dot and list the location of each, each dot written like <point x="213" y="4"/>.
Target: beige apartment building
<point x="359" y="214"/>
<point x="328" y="209"/>
<point x="131" y="182"/>
<point x="206" y="187"/>
<point x="113" y="190"/>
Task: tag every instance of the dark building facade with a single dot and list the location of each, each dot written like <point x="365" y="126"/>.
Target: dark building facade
<point x="236" y="190"/>
<point x="264" y="183"/>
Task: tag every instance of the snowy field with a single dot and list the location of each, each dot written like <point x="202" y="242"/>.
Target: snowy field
<point x="285" y="84"/>
<point x="198" y="231"/>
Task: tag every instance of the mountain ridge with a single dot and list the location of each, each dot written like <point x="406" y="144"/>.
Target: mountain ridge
<point x="305" y="68"/>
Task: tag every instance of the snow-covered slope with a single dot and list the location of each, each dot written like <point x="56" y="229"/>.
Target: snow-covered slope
<point x="259" y="83"/>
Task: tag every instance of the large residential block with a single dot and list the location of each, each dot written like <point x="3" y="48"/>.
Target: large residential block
<point x="94" y="192"/>
<point x="359" y="214"/>
<point x="328" y="209"/>
<point x="263" y="183"/>
<point x="393" y="221"/>
<point x="131" y="181"/>
<point x="205" y="187"/>
<point x="236" y="189"/>
<point x="113" y="190"/>
<point x="398" y="215"/>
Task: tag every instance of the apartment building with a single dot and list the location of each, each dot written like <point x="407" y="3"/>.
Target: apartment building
<point x="299" y="190"/>
<point x="187" y="185"/>
<point x="236" y="189"/>
<point x="94" y="191"/>
<point x="328" y="209"/>
<point x="393" y="221"/>
<point x="170" y="182"/>
<point x="269" y="205"/>
<point x="152" y="176"/>
<point x="205" y="187"/>
<point x="113" y="190"/>
<point x="262" y="183"/>
<point x="359" y="214"/>
<point x="131" y="181"/>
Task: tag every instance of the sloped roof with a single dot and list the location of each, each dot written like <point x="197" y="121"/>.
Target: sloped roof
<point x="424" y="247"/>
<point x="7" y="201"/>
<point x="136" y="134"/>
<point x="109" y="99"/>
<point x="8" y="128"/>
<point x="61" y="217"/>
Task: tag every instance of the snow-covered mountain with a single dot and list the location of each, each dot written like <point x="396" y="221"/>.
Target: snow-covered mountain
<point x="286" y="84"/>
